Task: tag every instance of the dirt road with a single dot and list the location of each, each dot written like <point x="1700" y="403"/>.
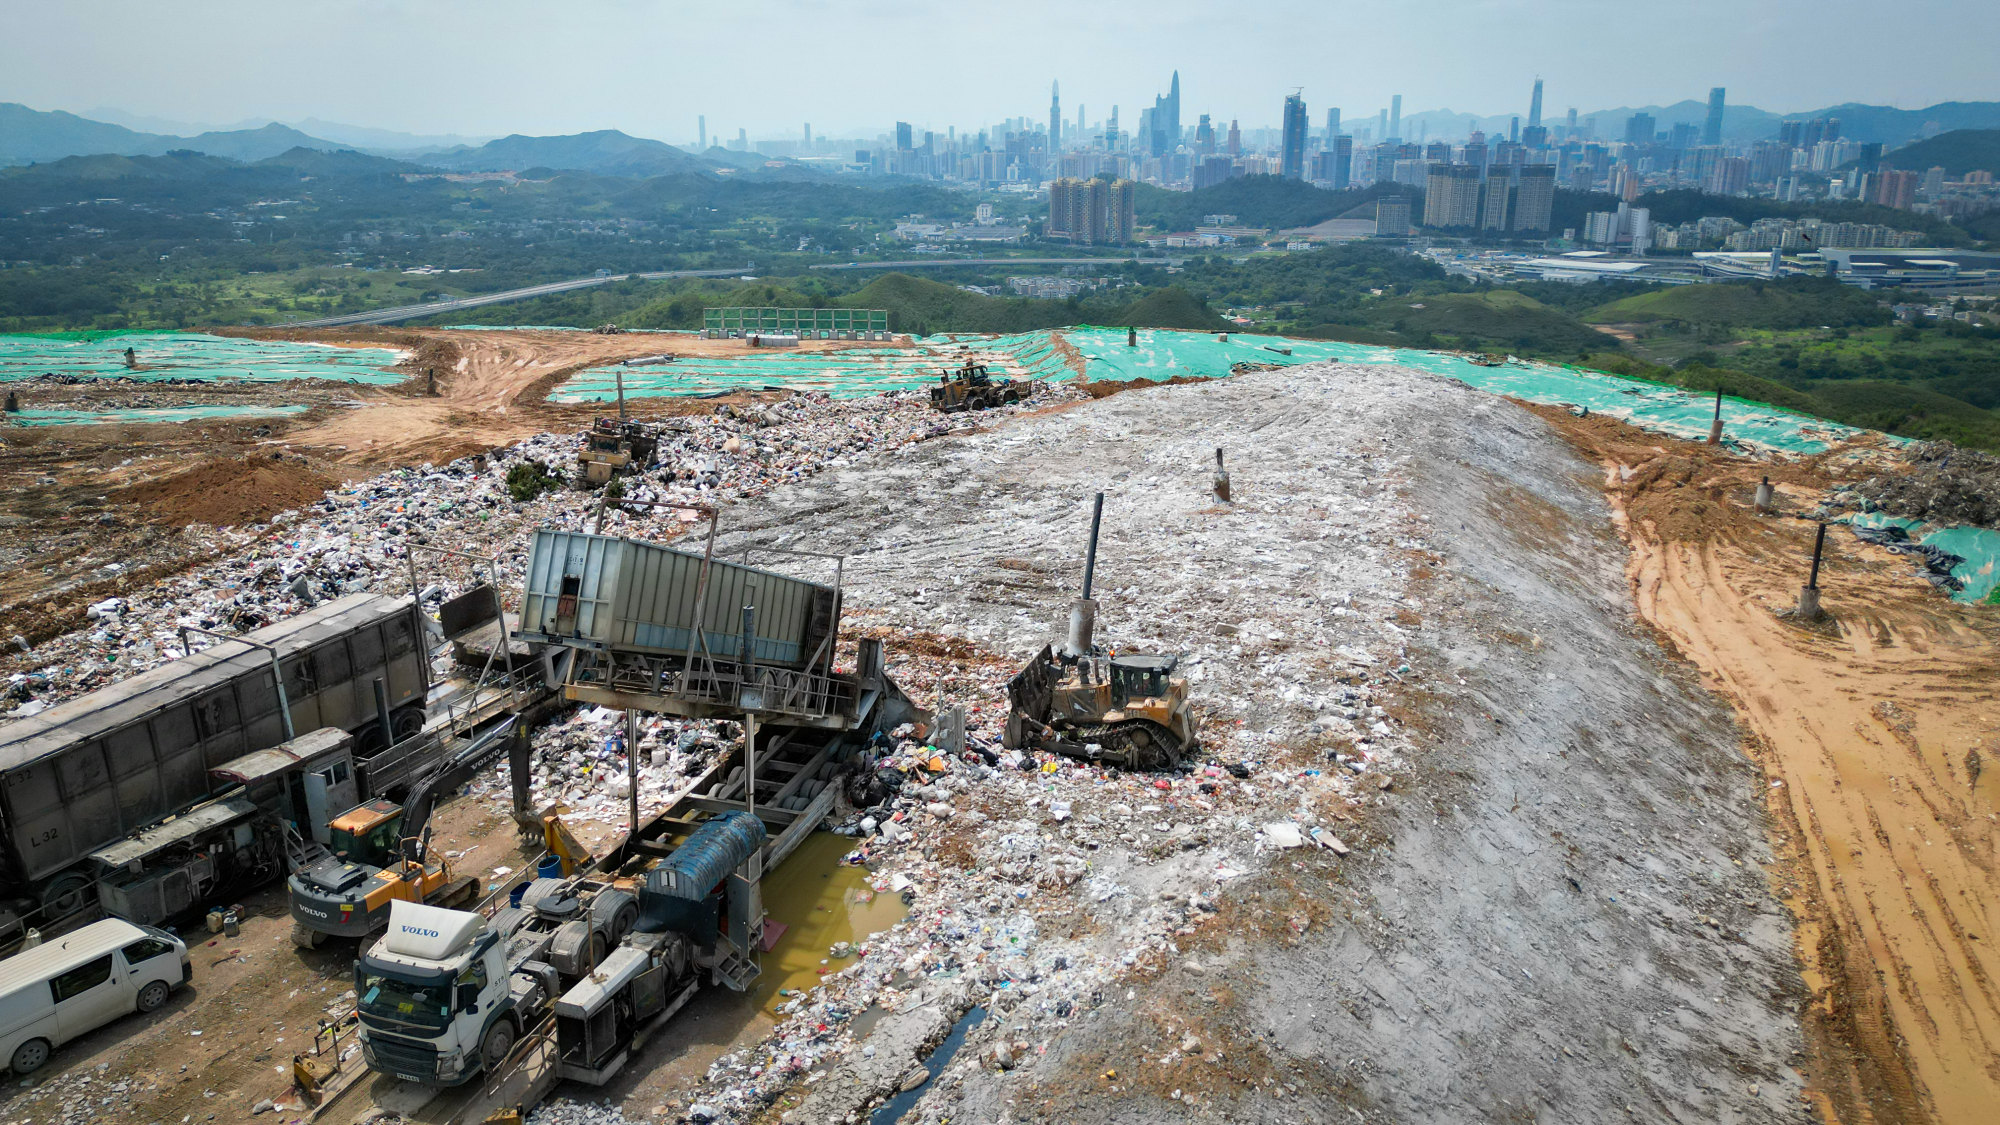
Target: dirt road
<point x="1876" y="730"/>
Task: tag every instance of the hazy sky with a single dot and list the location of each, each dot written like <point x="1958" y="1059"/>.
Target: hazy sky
<point x="648" y="66"/>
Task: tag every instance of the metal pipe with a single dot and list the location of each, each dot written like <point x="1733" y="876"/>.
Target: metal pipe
<point x="750" y="763"/>
<point x="382" y="713"/>
<point x="1090" y="559"/>
<point x="619" y="371"/>
<point x="1819" y="544"/>
<point x="632" y="768"/>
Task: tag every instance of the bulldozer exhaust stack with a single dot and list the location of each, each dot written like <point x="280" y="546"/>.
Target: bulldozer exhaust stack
<point x="1083" y="611"/>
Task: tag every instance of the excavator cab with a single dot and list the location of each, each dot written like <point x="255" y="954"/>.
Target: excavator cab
<point x="370" y="834"/>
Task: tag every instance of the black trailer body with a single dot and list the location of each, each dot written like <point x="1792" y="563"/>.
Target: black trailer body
<point x="95" y="770"/>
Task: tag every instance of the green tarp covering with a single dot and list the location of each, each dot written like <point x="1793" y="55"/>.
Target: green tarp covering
<point x="189" y="355"/>
<point x="146" y="414"/>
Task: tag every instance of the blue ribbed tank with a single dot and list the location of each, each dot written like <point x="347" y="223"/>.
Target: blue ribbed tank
<point x="679" y="893"/>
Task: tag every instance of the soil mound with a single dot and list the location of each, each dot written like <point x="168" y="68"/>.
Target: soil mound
<point x="229" y="491"/>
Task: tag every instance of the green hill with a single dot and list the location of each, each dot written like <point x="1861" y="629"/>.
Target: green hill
<point x="1898" y="408"/>
<point x="1957" y="152"/>
<point x="1172" y="307"/>
<point x="1793" y="303"/>
<point x="1491" y="319"/>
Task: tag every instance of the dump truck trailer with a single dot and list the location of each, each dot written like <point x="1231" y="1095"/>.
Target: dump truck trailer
<point x="95" y="771"/>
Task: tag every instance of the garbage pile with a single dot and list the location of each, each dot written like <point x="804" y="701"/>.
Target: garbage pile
<point x="1942" y="484"/>
<point x="1938" y="563"/>
<point x="995" y="851"/>
<point x="357" y="537"/>
<point x="580" y="763"/>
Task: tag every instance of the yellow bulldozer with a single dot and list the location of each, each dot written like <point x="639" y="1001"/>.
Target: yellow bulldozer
<point x="972" y="387"/>
<point x="1123" y="709"/>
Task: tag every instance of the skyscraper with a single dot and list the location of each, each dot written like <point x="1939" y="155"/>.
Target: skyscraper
<point x="1055" y="117"/>
<point x="1711" y="130"/>
<point x="1292" y="159"/>
<point x="1396" y="117"/>
<point x="1204" y="137"/>
<point x="701" y="131"/>
<point x="903" y="143"/>
<point x="1335" y="162"/>
<point x="1535" y="105"/>
<point x="1235" y="147"/>
<point x="1332" y="125"/>
<point x="1162" y="126"/>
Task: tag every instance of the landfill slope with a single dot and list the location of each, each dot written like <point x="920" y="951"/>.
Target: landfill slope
<point x="1874" y="728"/>
<point x="1412" y="627"/>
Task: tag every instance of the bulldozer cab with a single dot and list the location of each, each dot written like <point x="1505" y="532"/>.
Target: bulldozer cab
<point x="369" y="834"/>
<point x="1141" y="677"/>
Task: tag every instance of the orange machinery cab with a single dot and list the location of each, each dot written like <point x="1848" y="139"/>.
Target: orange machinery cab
<point x="347" y="894"/>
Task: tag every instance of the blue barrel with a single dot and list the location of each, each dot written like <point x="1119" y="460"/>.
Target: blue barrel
<point x="550" y="867"/>
<point x="514" y="896"/>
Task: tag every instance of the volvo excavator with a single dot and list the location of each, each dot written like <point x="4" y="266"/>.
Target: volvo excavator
<point x="1122" y="709"/>
<point x="345" y="890"/>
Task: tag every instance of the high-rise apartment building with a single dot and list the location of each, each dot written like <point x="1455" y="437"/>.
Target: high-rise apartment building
<point x="1639" y="129"/>
<point x="1493" y="209"/>
<point x="1292" y="150"/>
<point x="1392" y="217"/>
<point x="1396" y="117"/>
<point x="903" y="141"/>
<point x="1711" y="128"/>
<point x="1451" y="196"/>
<point x="701" y="132"/>
<point x="1092" y="211"/>
<point x="1535" y="197"/>
<point x="1892" y="187"/>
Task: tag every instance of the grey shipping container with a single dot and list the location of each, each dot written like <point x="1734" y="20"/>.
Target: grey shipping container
<point x="624" y="595"/>
<point x="86" y="773"/>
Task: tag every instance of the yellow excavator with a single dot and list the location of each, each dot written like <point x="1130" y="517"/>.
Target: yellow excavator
<point x="345" y="891"/>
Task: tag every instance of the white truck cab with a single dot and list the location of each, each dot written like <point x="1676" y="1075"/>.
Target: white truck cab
<point x="433" y="997"/>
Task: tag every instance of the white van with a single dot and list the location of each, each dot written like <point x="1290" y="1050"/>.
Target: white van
<point x="76" y="983"/>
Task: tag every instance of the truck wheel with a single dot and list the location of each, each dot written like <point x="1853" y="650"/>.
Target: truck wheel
<point x="153" y="996"/>
<point x="29" y="1057"/>
<point x="65" y="895"/>
<point x="408" y="723"/>
<point x="498" y="1044"/>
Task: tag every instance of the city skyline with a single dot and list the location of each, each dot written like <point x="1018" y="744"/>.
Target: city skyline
<point x="511" y="69"/>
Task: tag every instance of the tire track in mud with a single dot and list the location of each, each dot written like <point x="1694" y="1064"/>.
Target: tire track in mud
<point x="1859" y="725"/>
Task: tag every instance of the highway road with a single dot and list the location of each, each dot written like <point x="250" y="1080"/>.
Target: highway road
<point x="948" y="263"/>
<point x="434" y="308"/>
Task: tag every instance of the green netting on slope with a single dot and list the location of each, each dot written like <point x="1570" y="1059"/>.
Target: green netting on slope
<point x="1978" y="546"/>
<point x="843" y="373"/>
<point x="141" y="415"/>
<point x="1162" y="354"/>
<point x="190" y="355"/>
